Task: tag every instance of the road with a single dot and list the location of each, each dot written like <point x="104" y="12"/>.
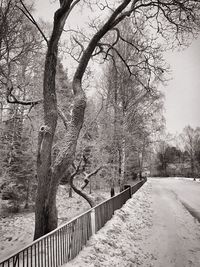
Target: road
<point x="174" y="238"/>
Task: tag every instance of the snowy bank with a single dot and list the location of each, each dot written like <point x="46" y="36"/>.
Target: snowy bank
<point x="116" y="243"/>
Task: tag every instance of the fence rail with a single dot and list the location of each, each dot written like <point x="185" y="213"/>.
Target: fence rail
<point x="64" y="243"/>
<point x="105" y="210"/>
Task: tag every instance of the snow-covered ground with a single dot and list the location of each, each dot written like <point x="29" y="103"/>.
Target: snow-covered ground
<point x="187" y="179"/>
<point x="186" y="191"/>
<point x="16" y="231"/>
<point x="152" y="229"/>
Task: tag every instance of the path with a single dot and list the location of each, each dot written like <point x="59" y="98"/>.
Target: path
<point x="174" y="238"/>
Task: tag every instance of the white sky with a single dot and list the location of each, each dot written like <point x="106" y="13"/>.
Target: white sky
<point x="183" y="92"/>
<point x="182" y="105"/>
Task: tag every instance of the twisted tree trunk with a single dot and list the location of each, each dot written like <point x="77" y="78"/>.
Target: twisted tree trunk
<point x="50" y="175"/>
<point x="81" y="193"/>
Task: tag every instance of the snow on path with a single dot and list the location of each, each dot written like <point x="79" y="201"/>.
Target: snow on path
<point x="186" y="190"/>
<point x="175" y="235"/>
<point x="153" y="229"/>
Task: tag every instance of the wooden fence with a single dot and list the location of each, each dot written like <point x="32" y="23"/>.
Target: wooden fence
<point x="65" y="242"/>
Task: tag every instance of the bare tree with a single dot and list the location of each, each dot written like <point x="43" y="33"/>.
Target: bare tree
<point x="134" y="97"/>
<point x="191" y="138"/>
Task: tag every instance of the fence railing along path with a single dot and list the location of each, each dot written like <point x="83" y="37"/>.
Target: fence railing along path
<point x="65" y="242"/>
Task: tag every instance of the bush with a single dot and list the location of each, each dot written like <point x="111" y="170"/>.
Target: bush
<point x="10" y="206"/>
<point x="9" y="192"/>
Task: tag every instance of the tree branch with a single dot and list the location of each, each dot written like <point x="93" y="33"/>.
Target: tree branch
<point x="88" y="176"/>
<point x="93" y="43"/>
<point x="86" y="180"/>
<point x="31" y="18"/>
<point x="95" y="118"/>
<point x="76" y="190"/>
<point x="82" y="194"/>
<point x="63" y="118"/>
<point x="13" y="100"/>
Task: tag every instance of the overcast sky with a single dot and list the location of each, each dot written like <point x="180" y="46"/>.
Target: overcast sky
<point x="182" y="105"/>
<point x="183" y="92"/>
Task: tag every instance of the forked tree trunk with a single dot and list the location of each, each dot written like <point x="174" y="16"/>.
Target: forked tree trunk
<point x="49" y="176"/>
<point x="46" y="212"/>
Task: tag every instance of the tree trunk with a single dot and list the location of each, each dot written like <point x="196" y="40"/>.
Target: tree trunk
<point x="90" y="186"/>
<point x="115" y="134"/>
<point x="119" y="165"/>
<point x="45" y="208"/>
<point x="27" y="194"/>
<point x="70" y="192"/>
<point x="112" y="191"/>
<point x="123" y="155"/>
<point x="192" y="165"/>
<point x="82" y="194"/>
<point x="49" y="176"/>
<point x="46" y="212"/>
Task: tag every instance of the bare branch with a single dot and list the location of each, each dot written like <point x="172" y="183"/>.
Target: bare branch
<point x="31" y="18"/>
<point x="88" y="176"/>
<point x="80" y="191"/>
<point x="82" y="47"/>
<point x="77" y="168"/>
<point x="94" y="41"/>
<point x="95" y="118"/>
<point x="13" y="100"/>
<point x="63" y="118"/>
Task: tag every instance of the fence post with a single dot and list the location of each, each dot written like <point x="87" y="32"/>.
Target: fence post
<point x="126" y="186"/>
<point x="130" y="191"/>
<point x="93" y="221"/>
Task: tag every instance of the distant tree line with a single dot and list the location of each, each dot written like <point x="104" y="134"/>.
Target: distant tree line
<point x="182" y="158"/>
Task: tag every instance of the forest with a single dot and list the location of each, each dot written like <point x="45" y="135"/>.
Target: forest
<point x="101" y="127"/>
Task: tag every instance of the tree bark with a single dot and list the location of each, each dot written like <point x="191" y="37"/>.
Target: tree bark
<point x="49" y="176"/>
<point x="70" y="192"/>
<point x="27" y="194"/>
<point x="46" y="212"/>
<point x="123" y="154"/>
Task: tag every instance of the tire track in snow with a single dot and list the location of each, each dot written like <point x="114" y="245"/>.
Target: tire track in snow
<point x="192" y="211"/>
